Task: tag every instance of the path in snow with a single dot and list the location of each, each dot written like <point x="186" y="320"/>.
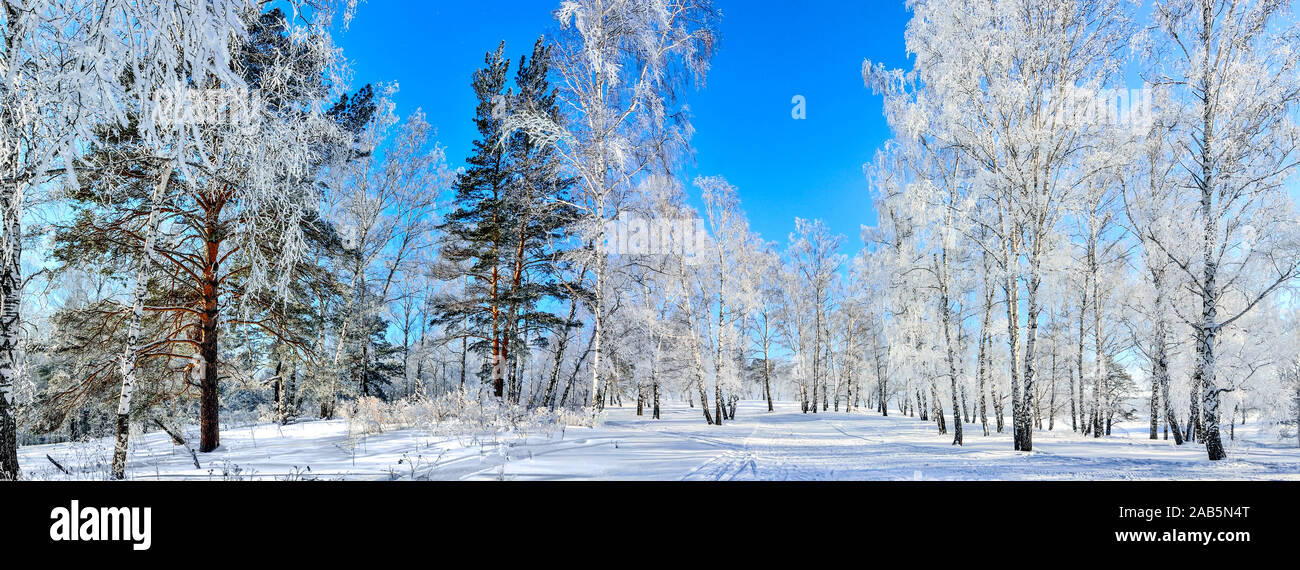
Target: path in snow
<point x="788" y="445"/>
<point x="782" y="445"/>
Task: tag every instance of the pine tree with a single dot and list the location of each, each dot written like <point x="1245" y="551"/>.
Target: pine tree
<point x="511" y="208"/>
<point x="537" y="205"/>
<point x="473" y="242"/>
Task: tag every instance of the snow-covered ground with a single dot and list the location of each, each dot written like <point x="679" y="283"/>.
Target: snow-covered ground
<point x="784" y="445"/>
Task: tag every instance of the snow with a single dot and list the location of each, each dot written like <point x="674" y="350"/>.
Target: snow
<point x="780" y="446"/>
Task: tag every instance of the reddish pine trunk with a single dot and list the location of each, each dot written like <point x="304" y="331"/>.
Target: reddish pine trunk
<point x="209" y="406"/>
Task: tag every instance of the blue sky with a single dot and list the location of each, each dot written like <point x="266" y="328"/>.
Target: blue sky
<point x="770" y="52"/>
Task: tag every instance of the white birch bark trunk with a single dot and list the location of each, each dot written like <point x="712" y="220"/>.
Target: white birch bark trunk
<point x="10" y="290"/>
<point x="132" y="354"/>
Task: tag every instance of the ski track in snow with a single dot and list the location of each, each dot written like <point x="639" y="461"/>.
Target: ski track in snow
<point x="784" y="445"/>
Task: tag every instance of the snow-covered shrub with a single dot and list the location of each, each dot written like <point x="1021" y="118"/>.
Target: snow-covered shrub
<point x="459" y="413"/>
<point x="365" y="416"/>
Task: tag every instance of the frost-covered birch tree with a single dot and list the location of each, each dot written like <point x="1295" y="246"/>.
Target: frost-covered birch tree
<point x="814" y="258"/>
<point x="1233" y="67"/>
<point x="383" y="206"/>
<point x="997" y="79"/>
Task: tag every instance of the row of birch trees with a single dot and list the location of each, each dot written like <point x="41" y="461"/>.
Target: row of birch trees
<point x="1078" y="191"/>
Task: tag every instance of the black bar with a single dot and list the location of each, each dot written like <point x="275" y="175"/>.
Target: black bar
<point x="323" y="519"/>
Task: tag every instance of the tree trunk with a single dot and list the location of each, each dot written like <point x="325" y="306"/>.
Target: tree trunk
<point x="655" y="402"/>
<point x="997" y="408"/>
<point x="1011" y="290"/>
<point x="1209" y="326"/>
<point x="1031" y="339"/>
<point x="1155" y="408"/>
<point x="946" y="303"/>
<point x="561" y="343"/>
<point x="704" y="399"/>
<point x="209" y="405"/>
<point x="883" y="381"/>
<point x="767" y="377"/>
<point x="984" y="411"/>
<point x="1162" y="361"/>
<point x="1099" y="364"/>
<point x="597" y="331"/>
<point x="132" y="354"/>
<point x="10" y="320"/>
<point x="1051" y="401"/>
<point x="10" y="272"/>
